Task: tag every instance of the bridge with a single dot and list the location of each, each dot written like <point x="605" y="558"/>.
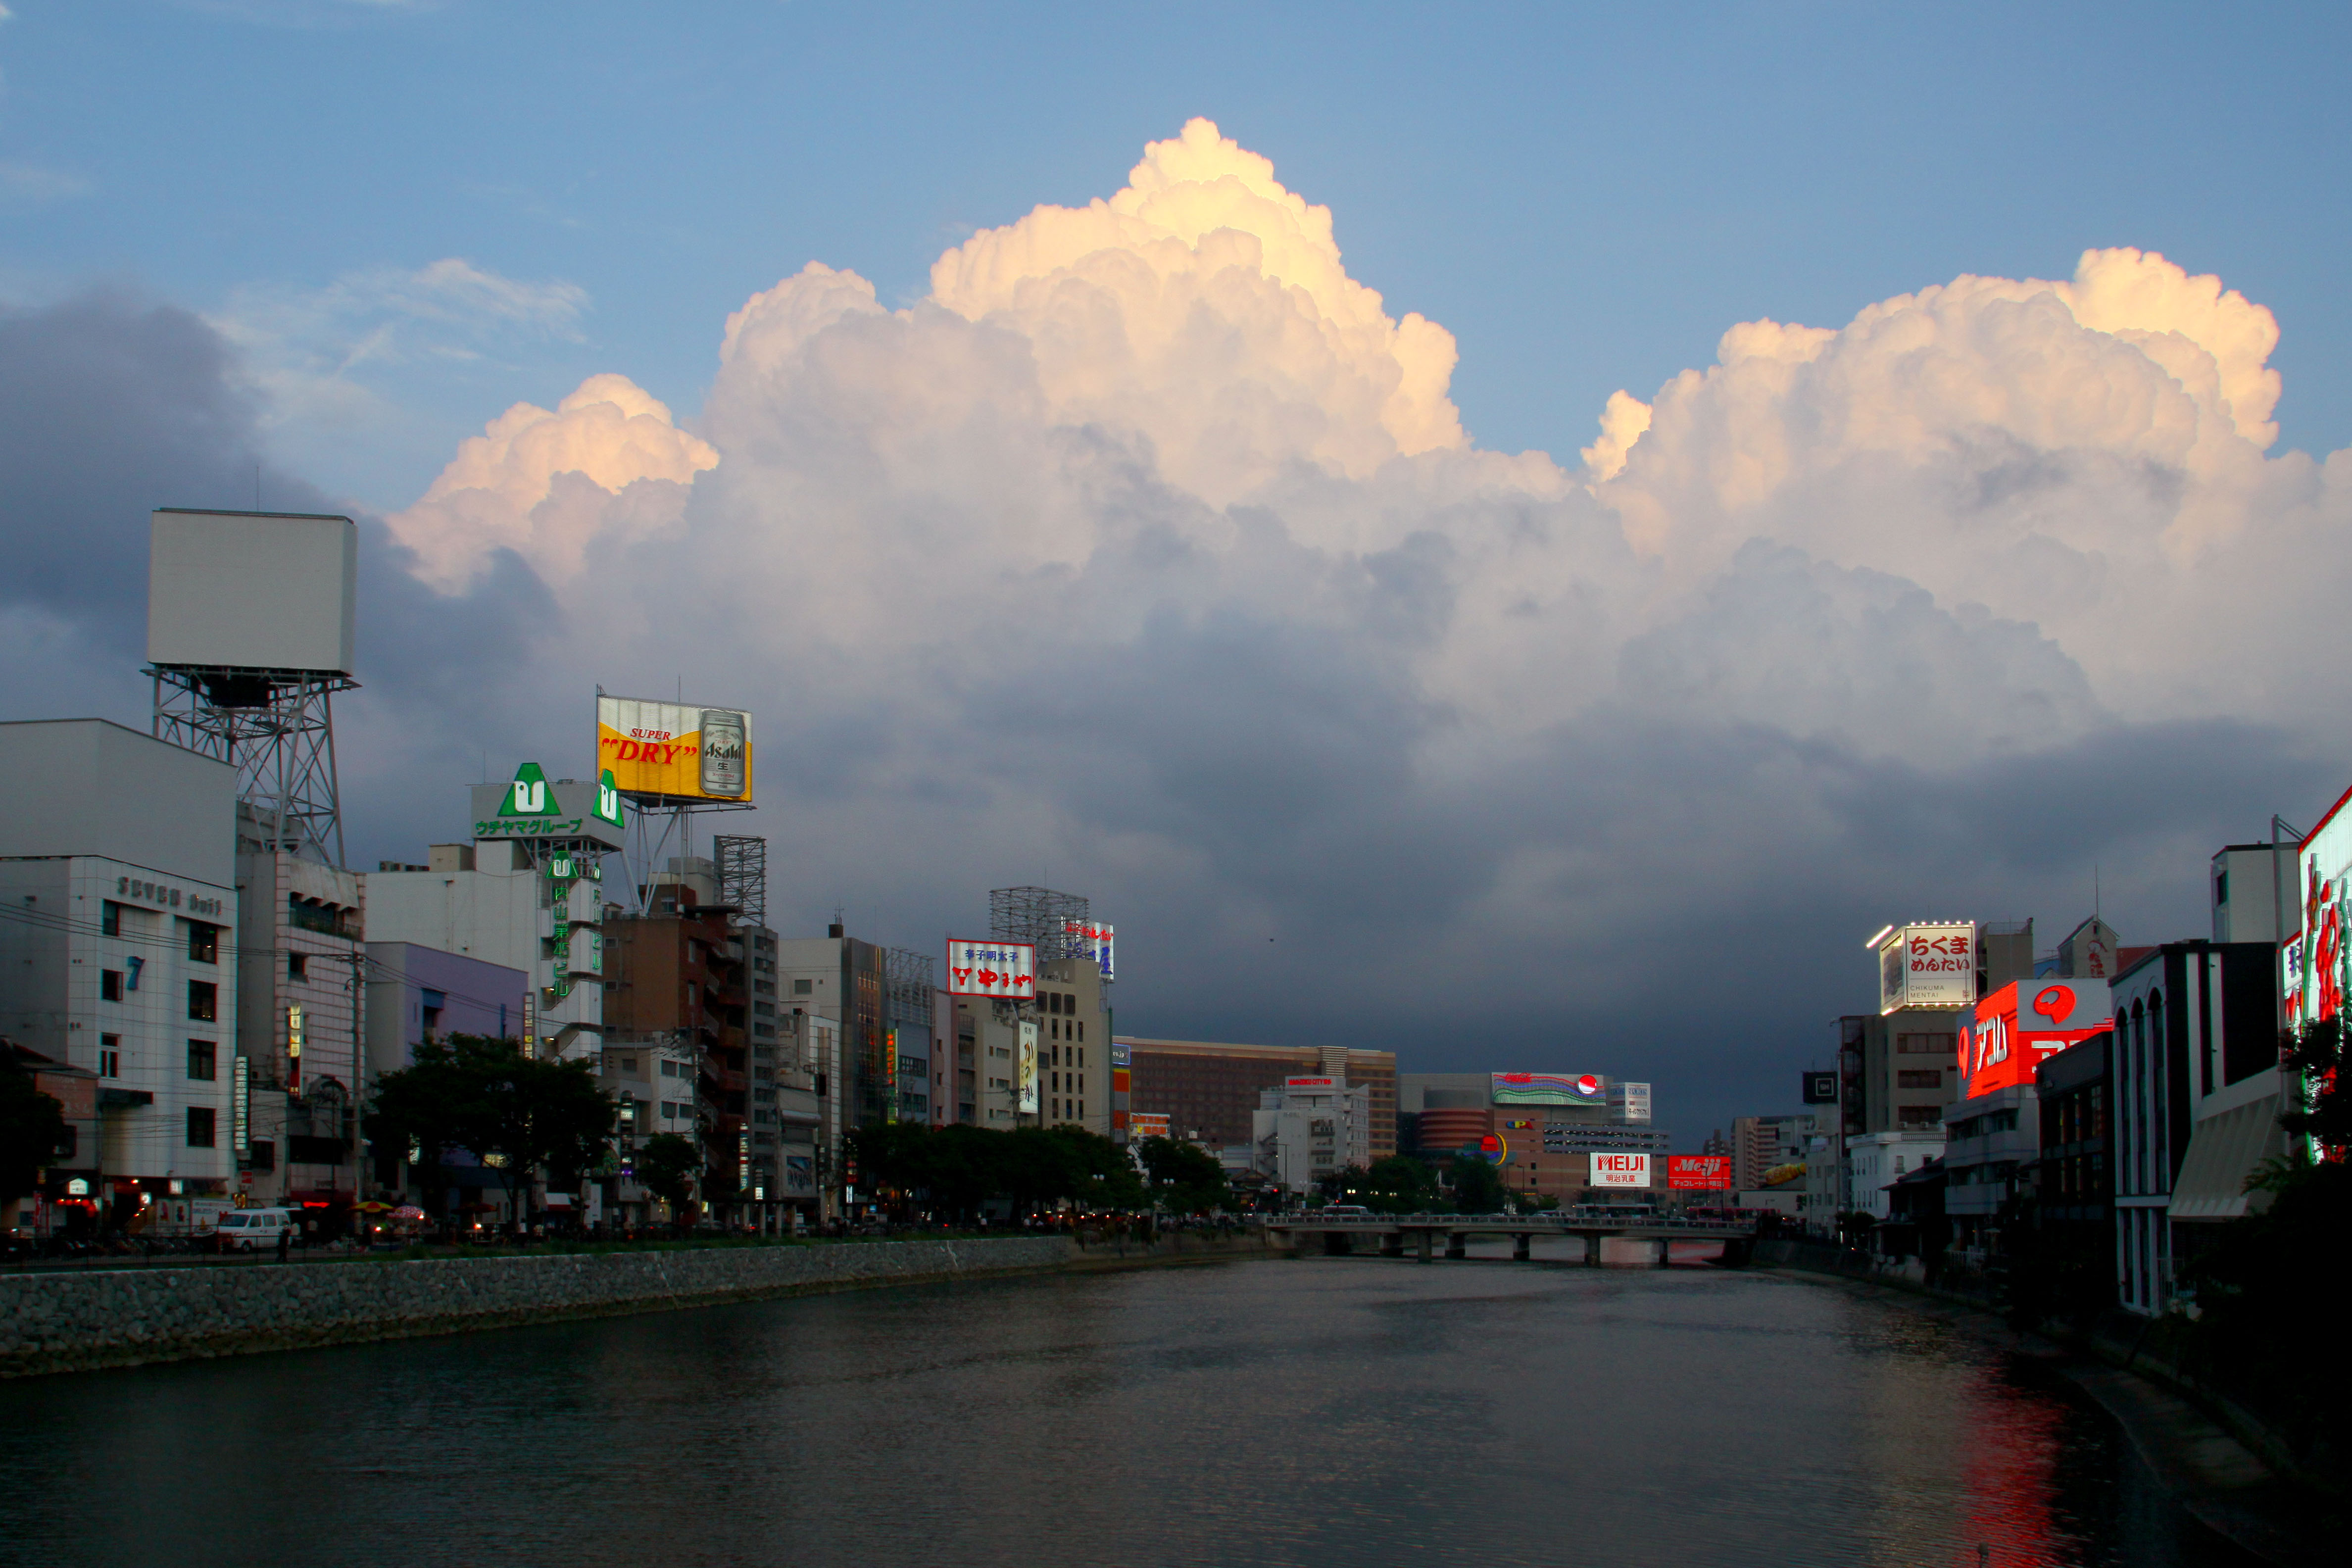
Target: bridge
<point x="1340" y="1233"/>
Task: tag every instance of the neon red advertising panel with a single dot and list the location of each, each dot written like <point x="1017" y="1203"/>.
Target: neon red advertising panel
<point x="2024" y="1025"/>
<point x="1706" y="1171"/>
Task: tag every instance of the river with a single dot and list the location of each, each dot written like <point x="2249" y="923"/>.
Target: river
<point x="1325" y="1412"/>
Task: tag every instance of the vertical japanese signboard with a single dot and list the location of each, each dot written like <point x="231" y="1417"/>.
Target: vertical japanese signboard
<point x="1028" y="1085"/>
<point x="1928" y="965"/>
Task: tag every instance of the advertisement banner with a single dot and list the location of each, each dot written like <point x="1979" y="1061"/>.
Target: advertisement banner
<point x="1142" y="1124"/>
<point x="1928" y="965"/>
<point x="1821" y="1089"/>
<point x="1310" y="1083"/>
<point x="683" y="751"/>
<point x="1630" y="1100"/>
<point x="1621" y="1171"/>
<point x="1094" y="939"/>
<point x="2024" y="1024"/>
<point x="1700" y="1171"/>
<point x="2322" y="968"/>
<point x="1549" y="1088"/>
<point x="1028" y="1105"/>
<point x="986" y="967"/>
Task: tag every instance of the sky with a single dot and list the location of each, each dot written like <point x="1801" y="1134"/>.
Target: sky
<point x="1517" y="536"/>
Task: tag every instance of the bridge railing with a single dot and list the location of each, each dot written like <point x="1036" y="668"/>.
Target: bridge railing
<point x="1548" y="1219"/>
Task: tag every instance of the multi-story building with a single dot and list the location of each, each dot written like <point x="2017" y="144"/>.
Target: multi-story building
<point x="679" y="977"/>
<point x="2197" y="1096"/>
<point x="301" y="975"/>
<point x="119" y="957"/>
<point x="528" y="893"/>
<point x="2073" y="1180"/>
<point x="1208" y="1089"/>
<point x="1312" y="1127"/>
<point x="1877" y="1160"/>
<point x="1545" y="1134"/>
<point x="1074" y="1045"/>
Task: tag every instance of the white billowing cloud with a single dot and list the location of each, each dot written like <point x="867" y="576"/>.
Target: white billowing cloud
<point x="1206" y="305"/>
<point x="544" y="483"/>
<point x="2087" y="457"/>
<point x="1149" y="548"/>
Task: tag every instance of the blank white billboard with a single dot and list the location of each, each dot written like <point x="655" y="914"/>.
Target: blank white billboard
<point x="249" y="590"/>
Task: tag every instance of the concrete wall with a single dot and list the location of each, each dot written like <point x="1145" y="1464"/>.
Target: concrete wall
<point x="65" y="1321"/>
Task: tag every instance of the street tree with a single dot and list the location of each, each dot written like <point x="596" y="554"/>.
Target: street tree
<point x="32" y="1129"/>
<point x="1184" y="1178"/>
<point x="666" y="1166"/>
<point x="1477" y="1189"/>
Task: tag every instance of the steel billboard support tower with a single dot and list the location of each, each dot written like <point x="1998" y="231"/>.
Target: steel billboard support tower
<point x="1041" y="917"/>
<point x="249" y="619"/>
<point x="742" y="861"/>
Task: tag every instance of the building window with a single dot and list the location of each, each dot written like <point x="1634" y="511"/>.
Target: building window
<point x="204" y="942"/>
<point x="203" y="1002"/>
<point x="110" y="986"/>
<point x="109" y="1055"/>
<point x="1930" y="1078"/>
<point x="1926" y="1045"/>
<point x="110" y="918"/>
<point x="200" y="1127"/>
<point x="298" y="966"/>
<point x="309" y="914"/>
<point x="802" y="987"/>
<point x="202" y="1054"/>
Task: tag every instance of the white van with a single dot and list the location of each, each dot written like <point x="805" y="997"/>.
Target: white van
<point x="247" y="1230"/>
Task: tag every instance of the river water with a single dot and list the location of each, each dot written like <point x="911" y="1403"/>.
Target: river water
<point x="1325" y="1412"/>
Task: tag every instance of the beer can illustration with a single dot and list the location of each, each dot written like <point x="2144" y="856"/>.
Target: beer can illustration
<point x="725" y="753"/>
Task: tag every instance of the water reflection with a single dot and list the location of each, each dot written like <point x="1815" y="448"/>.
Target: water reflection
<point x="1329" y="1413"/>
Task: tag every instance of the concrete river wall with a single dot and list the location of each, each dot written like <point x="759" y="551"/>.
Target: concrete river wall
<point x="70" y="1321"/>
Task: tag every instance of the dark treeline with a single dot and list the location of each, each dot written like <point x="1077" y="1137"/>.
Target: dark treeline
<point x="954" y="1172"/>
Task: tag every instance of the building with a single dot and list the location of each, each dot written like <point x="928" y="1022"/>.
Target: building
<point x="302" y="975"/>
<point x="1208" y="1090"/>
<point x="119" y="957"/>
<point x="2254" y="888"/>
<point x="2074" y="1179"/>
<point x="1074" y="1045"/>
<point x="1312" y="1127"/>
<point x="1544" y="1128"/>
<point x="1992" y="1133"/>
<point x="1877" y="1160"/>
<point x="418" y="993"/>
<point x="527" y="894"/>
<point x="2197" y="1097"/>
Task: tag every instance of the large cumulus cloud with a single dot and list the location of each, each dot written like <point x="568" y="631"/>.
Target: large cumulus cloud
<point x="1148" y="556"/>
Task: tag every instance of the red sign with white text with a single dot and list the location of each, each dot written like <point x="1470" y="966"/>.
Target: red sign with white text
<point x="2024" y="1025"/>
<point x="1690" y="1171"/>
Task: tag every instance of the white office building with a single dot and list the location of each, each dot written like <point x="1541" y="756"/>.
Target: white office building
<point x="119" y="953"/>
<point x="1310" y="1128"/>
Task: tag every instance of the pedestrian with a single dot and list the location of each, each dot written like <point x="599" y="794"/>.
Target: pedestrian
<point x="285" y="1241"/>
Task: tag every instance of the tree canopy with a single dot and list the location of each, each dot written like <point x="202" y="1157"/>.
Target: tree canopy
<point x="516" y="1114"/>
<point x="32" y="1127"/>
<point x="954" y="1170"/>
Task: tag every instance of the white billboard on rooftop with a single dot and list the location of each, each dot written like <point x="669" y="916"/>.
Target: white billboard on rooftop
<point x="251" y="590"/>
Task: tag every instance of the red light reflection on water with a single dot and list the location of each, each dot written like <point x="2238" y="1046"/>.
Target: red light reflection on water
<point x="2016" y="1444"/>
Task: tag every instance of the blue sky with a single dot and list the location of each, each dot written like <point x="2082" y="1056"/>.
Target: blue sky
<point x="1586" y="196"/>
<point x="1357" y="732"/>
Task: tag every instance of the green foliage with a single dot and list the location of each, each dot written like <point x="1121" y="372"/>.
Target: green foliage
<point x="32" y="1126"/>
<point x="516" y="1113"/>
<point x="665" y="1164"/>
<point x="1184" y="1178"/>
<point x="1477" y="1188"/>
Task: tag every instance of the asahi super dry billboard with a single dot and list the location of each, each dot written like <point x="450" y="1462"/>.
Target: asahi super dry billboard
<point x="674" y="749"/>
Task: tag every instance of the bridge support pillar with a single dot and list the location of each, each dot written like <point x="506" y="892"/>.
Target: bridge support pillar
<point x="1665" y="1253"/>
<point x="1457" y="1245"/>
<point x="1424" y="1236"/>
<point x="1392" y="1245"/>
<point x="1520" y="1246"/>
<point x="1592" y="1249"/>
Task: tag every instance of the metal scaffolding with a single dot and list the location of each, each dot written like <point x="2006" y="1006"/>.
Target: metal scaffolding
<point x="277" y="728"/>
<point x="742" y="862"/>
<point x="1041" y="917"/>
<point x="908" y="980"/>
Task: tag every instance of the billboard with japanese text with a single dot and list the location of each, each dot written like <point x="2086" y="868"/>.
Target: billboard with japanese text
<point x="1698" y="1172"/>
<point x="1029" y="1103"/>
<point x="675" y="750"/>
<point x="1928" y="965"/>
<point x="1142" y="1124"/>
<point x="987" y="967"/>
<point x="2024" y="1024"/>
<point x="1096" y="940"/>
<point x="1620" y="1171"/>
<point x="2323" y="959"/>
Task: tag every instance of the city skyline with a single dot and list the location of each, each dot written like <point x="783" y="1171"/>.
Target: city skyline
<point x="1157" y="511"/>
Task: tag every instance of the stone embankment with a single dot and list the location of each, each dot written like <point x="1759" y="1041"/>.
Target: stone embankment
<point x="67" y="1321"/>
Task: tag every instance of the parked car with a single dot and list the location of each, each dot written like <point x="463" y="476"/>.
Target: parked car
<point x="250" y="1230"/>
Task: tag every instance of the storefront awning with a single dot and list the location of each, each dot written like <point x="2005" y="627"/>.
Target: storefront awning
<point x="2224" y="1150"/>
